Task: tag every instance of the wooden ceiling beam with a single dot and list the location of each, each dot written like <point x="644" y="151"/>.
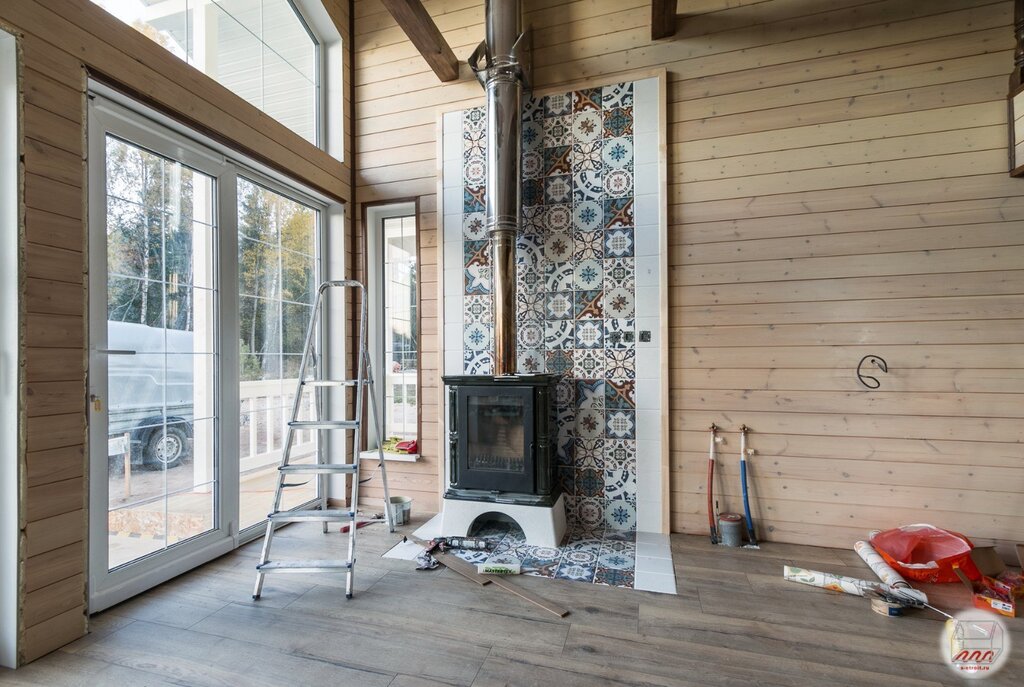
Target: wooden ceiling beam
<point x="663" y="19"/>
<point x="414" y="19"/>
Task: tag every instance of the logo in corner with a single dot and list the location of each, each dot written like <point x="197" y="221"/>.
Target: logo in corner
<point x="975" y="645"/>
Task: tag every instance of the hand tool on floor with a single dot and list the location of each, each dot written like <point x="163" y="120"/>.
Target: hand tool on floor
<point x="712" y="456"/>
<point x="378" y="517"/>
<point x="744" y="452"/>
<point x="312" y="363"/>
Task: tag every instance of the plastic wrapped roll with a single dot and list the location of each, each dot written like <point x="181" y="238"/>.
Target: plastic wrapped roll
<point x="885" y="572"/>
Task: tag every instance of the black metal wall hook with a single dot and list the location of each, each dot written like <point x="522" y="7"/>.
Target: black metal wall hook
<point x="864" y="379"/>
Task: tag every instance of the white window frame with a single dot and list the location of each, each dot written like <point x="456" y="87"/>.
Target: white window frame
<point x="10" y="131"/>
<point x="110" y="109"/>
<point x="375" y="216"/>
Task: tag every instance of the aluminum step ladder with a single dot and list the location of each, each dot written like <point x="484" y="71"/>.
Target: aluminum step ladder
<point x="316" y="384"/>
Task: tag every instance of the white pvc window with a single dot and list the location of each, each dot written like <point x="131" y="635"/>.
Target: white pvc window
<point x="260" y="49"/>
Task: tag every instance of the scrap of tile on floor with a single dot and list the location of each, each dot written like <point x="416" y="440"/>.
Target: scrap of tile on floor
<point x="617" y="558"/>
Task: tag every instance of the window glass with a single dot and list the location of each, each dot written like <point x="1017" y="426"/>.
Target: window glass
<point x="401" y="355"/>
<point x="260" y="49"/>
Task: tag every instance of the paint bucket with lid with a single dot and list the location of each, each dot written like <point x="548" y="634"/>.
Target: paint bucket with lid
<point x="730" y="529"/>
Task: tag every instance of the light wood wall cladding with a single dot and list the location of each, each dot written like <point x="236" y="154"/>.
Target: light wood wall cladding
<point x="837" y="187"/>
<point x="60" y="41"/>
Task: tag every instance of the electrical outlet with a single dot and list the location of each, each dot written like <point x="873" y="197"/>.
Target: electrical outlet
<point x="645" y="336"/>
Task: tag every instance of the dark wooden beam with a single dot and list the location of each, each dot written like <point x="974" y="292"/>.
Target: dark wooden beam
<point x="663" y="19"/>
<point x="424" y="34"/>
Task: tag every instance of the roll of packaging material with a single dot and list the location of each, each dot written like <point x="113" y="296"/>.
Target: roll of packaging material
<point x="730" y="529"/>
<point x="886" y="574"/>
<point x="835" y="583"/>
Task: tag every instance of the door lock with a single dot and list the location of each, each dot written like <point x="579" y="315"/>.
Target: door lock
<point x="97" y="403"/>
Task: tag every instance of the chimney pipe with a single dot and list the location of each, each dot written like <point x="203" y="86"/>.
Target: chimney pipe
<point x="503" y="79"/>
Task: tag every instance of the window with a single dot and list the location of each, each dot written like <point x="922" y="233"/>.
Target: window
<point x="394" y="318"/>
<point x="401" y="353"/>
<point x="260" y="49"/>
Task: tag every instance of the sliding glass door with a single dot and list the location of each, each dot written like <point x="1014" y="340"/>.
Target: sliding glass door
<point x="201" y="279"/>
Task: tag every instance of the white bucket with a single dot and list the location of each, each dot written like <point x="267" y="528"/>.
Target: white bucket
<point x="401" y="509"/>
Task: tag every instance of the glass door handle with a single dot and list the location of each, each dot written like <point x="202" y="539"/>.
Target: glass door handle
<point x="115" y="351"/>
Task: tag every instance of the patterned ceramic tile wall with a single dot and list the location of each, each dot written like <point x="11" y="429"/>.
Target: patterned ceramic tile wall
<point x="577" y="283"/>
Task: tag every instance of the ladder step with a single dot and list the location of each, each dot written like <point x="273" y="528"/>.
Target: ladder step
<point x="328" y="469"/>
<point x="313" y="516"/>
<point x="330" y="382"/>
<point x="298" y="566"/>
<point x="324" y="424"/>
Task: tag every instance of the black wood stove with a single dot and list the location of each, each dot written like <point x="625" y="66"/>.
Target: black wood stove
<point x="502" y="439"/>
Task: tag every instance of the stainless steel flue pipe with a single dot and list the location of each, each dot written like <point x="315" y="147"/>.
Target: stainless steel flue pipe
<point x="503" y="78"/>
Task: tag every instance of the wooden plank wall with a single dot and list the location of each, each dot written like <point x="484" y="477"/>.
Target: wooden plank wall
<point x="59" y="40"/>
<point x="837" y="188"/>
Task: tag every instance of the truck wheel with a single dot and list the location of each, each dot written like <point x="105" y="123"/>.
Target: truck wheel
<point x="165" y="450"/>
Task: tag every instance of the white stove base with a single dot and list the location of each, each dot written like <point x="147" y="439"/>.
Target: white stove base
<point x="541" y="526"/>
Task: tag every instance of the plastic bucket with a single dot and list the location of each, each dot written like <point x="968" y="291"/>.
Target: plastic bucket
<point x="401" y="509"/>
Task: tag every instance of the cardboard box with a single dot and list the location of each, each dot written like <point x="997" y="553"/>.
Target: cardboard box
<point x="998" y="589"/>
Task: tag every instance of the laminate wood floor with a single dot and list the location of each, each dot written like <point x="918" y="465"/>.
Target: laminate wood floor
<point x="735" y="622"/>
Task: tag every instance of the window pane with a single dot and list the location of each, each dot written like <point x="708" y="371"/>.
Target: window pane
<point x="400" y="354"/>
<point x="260" y="49"/>
<point x="276" y="281"/>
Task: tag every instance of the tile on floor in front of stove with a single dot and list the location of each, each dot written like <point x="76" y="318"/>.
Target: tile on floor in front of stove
<point x="651" y="549"/>
<point x="655" y="565"/>
<point x="654" y="582"/>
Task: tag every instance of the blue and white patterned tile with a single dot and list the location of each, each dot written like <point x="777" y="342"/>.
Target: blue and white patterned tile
<point x="589" y="482"/>
<point x="619" y="484"/>
<point x="620" y="364"/>
<point x="474" y="170"/>
<point x="557" y="219"/>
<point x="477" y="337"/>
<point x="565" y="392"/>
<point x="590" y="423"/>
<point x="532" y="221"/>
<point x="621" y="424"/>
<point x="617" y="153"/>
<point x="589" y="363"/>
<point x="586" y="157"/>
<point x="475" y="119"/>
<point x="589" y="334"/>
<point x="533" y="136"/>
<point x="531" y="362"/>
<point x="533" y="192"/>
<point x="617" y="95"/>
<point x="530" y="335"/>
<point x="586" y="186"/>
<point x="588" y="245"/>
<point x="473" y="226"/>
<point x="589" y="512"/>
<point x="590" y="453"/>
<point x="619" y="273"/>
<point x="529" y="251"/>
<point x="559" y="361"/>
<point x="533" y="164"/>
<point x="566" y="476"/>
<point x="588" y="215"/>
<point x="587" y="126"/>
<point x="619" y="454"/>
<point x="558" y="247"/>
<point x="618" y="243"/>
<point x="615" y="578"/>
<point x="478" y="363"/>
<point x="474" y="198"/>
<point x="587" y="99"/>
<point x="478" y="279"/>
<point x="558" y="189"/>
<point x="589" y="305"/>
<point x="559" y="334"/>
<point x="557" y="104"/>
<point x="620" y="395"/>
<point x="589" y="274"/>
<point x="477" y="310"/>
<point x="558" y="160"/>
<point x="620" y="514"/>
<point x="590" y="393"/>
<point x="574" y="572"/>
<point x="618" y="122"/>
<point x="559" y="306"/>
<point x="558" y="276"/>
<point x="533" y="108"/>
<point x="619" y="303"/>
<point x="474" y="143"/>
<point x="530" y="307"/>
<point x="618" y="213"/>
<point x="530" y="280"/>
<point x="620" y="540"/>
<point x="618" y="183"/>
<point x="557" y="131"/>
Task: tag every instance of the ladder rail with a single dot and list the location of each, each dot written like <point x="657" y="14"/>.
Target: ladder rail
<point x="317" y="385"/>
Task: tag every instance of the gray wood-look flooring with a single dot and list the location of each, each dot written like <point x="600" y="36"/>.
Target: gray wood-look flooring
<point x="735" y="623"/>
